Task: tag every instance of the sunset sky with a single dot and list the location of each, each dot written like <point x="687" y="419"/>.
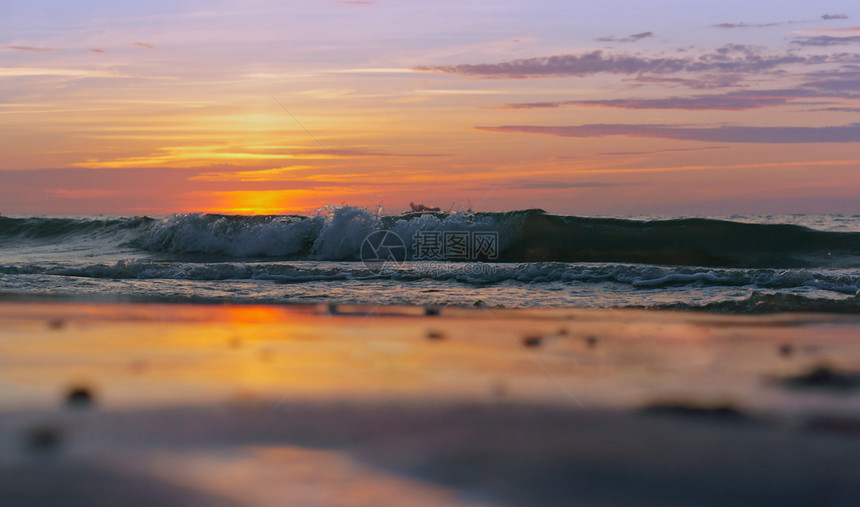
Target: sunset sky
<point x="578" y="107"/>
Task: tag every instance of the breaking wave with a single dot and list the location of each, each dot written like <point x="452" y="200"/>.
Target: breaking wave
<point x="524" y="236"/>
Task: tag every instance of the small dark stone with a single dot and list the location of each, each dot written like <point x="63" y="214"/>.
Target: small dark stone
<point x="79" y="397"/>
<point x="435" y="335"/>
<point x="591" y="341"/>
<point x="824" y="377"/>
<point x="479" y="303"/>
<point x="532" y="341"/>
<point x="44" y="439"/>
<point x="689" y="410"/>
<point x="56" y="324"/>
<point x="562" y="331"/>
<point x="786" y="350"/>
<point x="432" y="311"/>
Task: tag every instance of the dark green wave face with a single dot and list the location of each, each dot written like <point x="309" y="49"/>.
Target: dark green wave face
<point x="686" y="242"/>
<point x="57" y="228"/>
<point x="523" y="236"/>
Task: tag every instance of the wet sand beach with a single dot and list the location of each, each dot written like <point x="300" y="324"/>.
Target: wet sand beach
<point x="338" y="405"/>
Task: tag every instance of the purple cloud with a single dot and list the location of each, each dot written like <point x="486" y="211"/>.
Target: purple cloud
<point x="727" y="59"/>
<point x="656" y="152"/>
<point x="839" y="109"/>
<point x="704" y="82"/>
<point x="825" y="41"/>
<point x="731" y="101"/>
<point x="724" y="134"/>
<point x="630" y="38"/>
<point x="732" y="26"/>
<point x="828" y="17"/>
<point x="846" y="87"/>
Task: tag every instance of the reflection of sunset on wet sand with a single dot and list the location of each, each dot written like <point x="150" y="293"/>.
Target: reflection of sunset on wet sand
<point x="263" y="399"/>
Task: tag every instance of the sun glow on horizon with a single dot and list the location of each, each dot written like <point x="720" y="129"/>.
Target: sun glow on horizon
<point x="262" y="202"/>
<point x="183" y="109"/>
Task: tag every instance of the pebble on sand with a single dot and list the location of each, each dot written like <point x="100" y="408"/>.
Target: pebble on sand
<point x="435" y="334"/>
<point x="532" y="341"/>
<point x="432" y="311"/>
<point x="824" y="377"/>
<point x="722" y="412"/>
<point x="786" y="350"/>
<point x="591" y="341"/>
<point x="79" y="397"/>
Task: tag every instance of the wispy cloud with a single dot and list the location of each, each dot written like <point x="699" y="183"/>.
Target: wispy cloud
<point x="850" y="87"/>
<point x="725" y="134"/>
<point x="43" y="71"/>
<point x="743" y="25"/>
<point x="732" y="58"/>
<point x="357" y="153"/>
<point x="552" y="185"/>
<point x="29" y="48"/>
<point x="83" y="193"/>
<point x="199" y="154"/>
<point x="839" y="109"/>
<point x="286" y="174"/>
<point x="824" y="37"/>
<point x="658" y="152"/>
<point x="630" y="38"/>
<point x="730" y="101"/>
<point x="825" y="40"/>
<point x="702" y="82"/>
<point x="836" y="32"/>
<point x="732" y="26"/>
<point x="142" y="45"/>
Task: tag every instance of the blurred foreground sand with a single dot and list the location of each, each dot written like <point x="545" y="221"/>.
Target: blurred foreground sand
<point x="310" y="405"/>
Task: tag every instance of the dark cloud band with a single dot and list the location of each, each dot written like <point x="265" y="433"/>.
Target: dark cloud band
<point x="726" y="134"/>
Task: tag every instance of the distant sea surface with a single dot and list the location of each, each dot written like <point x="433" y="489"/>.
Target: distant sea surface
<point x="528" y="258"/>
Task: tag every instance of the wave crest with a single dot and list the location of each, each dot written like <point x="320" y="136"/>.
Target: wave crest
<point x="337" y="232"/>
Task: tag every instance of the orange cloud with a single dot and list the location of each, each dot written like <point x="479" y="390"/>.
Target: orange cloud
<point x="29" y="48"/>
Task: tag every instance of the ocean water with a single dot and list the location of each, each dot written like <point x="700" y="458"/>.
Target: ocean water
<point x="342" y="254"/>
